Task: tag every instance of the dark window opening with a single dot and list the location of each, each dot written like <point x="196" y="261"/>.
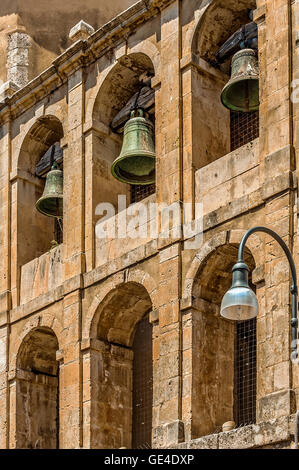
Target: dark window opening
<point x="142" y="386"/>
<point x="58" y="231"/>
<point x="244" y="127"/>
<point x="140" y="192"/>
<point x="245" y="373"/>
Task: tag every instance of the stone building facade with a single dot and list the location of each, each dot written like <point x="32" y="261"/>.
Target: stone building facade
<point x="110" y="343"/>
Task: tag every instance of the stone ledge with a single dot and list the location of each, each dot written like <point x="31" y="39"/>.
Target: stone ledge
<point x="279" y="162"/>
<point x="39" y="303"/>
<point x="275" y="405"/>
<point x="277" y="185"/>
<point x="141" y="253"/>
<point x="169" y="432"/>
<point x="82" y="51"/>
<point x="233" y="210"/>
<point x="249" y="202"/>
<point x="247" y="437"/>
<point x="80" y="282"/>
<point x="7" y="89"/>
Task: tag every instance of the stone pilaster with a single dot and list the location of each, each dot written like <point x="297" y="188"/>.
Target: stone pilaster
<point x="70" y="377"/>
<point x="4" y="415"/>
<point x="74" y="179"/>
<point x="168" y="104"/>
<point x="277" y="163"/>
<point x="168" y="380"/>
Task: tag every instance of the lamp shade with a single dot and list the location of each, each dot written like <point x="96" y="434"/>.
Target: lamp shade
<point x="240" y="302"/>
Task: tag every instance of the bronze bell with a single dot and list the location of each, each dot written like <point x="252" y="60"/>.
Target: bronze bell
<point x="136" y="162"/>
<point x="241" y="93"/>
<point x="51" y="202"/>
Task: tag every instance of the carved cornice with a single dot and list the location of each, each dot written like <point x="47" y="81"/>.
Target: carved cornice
<point x="81" y="54"/>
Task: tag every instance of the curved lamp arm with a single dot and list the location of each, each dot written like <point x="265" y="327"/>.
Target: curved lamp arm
<point x="294" y="288"/>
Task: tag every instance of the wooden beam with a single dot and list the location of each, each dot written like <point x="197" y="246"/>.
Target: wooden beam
<point x="146" y="101"/>
<point x="54" y="153"/>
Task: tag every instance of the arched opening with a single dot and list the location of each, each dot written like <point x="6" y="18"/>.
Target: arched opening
<point x="219" y="132"/>
<point x="127" y="83"/>
<point x="224" y="353"/>
<point x="118" y="93"/>
<point x="35" y="231"/>
<point x="122" y="371"/>
<point x="37" y="393"/>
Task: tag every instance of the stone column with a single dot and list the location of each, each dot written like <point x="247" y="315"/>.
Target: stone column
<point x="12" y="384"/>
<point x="5" y="270"/>
<point x="168" y="109"/>
<point x="18" y="46"/>
<point x="73" y="224"/>
<point x="4" y="385"/>
<point x="187" y="370"/>
<point x="169" y="429"/>
<point x="167" y="382"/>
<point x="295" y="100"/>
<point x="70" y="385"/>
<point x="5" y="220"/>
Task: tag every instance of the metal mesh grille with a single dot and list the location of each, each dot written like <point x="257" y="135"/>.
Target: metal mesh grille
<point x="244" y="127"/>
<point x="140" y="192"/>
<point x="142" y="386"/>
<point x="245" y="373"/>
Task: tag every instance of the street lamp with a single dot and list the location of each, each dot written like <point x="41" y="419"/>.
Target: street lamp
<point x="240" y="302"/>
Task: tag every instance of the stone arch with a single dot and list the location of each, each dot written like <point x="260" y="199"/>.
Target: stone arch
<point x="136" y="276"/>
<point x="29" y="352"/>
<point x="37" y="390"/>
<point x="34" y="231"/>
<point x="116" y="85"/>
<point x="121" y="368"/>
<point x="217" y="353"/>
<point x="151" y="50"/>
<point x="146" y="53"/>
<point x="119" y="84"/>
<point x="42" y="133"/>
<point x="218" y="20"/>
<point x="213" y="23"/>
<point x="120" y="312"/>
<point x="95" y="92"/>
<point x="42" y="320"/>
<point x="226" y="237"/>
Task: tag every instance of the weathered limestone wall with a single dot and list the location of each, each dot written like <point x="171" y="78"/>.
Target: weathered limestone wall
<point x="90" y="294"/>
<point x="232" y="176"/>
<point x="120" y="243"/>
<point x="41" y="275"/>
<point x="37" y="411"/>
<point x="111" y="398"/>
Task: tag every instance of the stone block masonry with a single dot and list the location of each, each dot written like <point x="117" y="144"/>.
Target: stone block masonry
<point x="76" y="366"/>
